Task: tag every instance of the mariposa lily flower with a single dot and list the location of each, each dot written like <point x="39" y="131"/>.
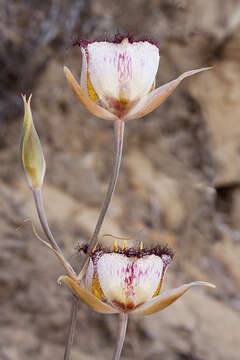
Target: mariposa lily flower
<point x="127" y="281"/>
<point x="118" y="78"/>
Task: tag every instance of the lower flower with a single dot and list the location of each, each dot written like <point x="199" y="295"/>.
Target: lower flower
<point x="127" y="280"/>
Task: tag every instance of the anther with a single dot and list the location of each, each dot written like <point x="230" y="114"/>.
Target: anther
<point x="114" y="246"/>
<point x="124" y="244"/>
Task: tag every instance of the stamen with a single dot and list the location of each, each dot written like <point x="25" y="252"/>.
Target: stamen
<point x="114" y="246"/>
<point x="140" y="249"/>
<point x="124" y="245"/>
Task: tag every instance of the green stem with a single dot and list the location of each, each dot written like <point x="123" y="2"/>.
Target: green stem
<point x="118" y="145"/>
<point x="37" y="194"/>
<point x="72" y="327"/>
<point x="122" y="327"/>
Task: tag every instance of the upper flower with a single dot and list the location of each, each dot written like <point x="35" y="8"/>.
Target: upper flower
<point x="127" y="280"/>
<point x="119" y="75"/>
<point x="118" y="79"/>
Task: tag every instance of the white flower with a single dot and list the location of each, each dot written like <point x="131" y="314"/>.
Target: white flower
<point x="118" y="79"/>
<point x="127" y="280"/>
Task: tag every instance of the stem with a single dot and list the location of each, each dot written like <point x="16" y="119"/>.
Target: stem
<point x="72" y="327"/>
<point x="122" y="327"/>
<point x="118" y="145"/>
<point x="37" y="194"/>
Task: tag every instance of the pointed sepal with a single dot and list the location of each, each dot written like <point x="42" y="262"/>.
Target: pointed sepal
<point x="151" y="101"/>
<point x="86" y="100"/>
<point x="89" y="299"/>
<point x="160" y="302"/>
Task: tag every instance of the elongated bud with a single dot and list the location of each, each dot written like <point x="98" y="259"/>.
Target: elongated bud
<point x="32" y="155"/>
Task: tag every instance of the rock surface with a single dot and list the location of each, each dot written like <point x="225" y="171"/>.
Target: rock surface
<point x="179" y="181"/>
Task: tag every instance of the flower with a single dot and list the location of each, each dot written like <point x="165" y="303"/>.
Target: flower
<point x="32" y="155"/>
<point x="127" y="280"/>
<point x="118" y="78"/>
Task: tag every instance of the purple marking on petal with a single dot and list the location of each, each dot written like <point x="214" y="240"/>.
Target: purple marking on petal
<point x="124" y="67"/>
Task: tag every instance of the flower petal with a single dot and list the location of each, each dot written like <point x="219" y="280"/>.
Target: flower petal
<point x="122" y="71"/>
<point x="128" y="282"/>
<point x="151" y="101"/>
<point x="89" y="275"/>
<point x="88" y="298"/>
<point x="86" y="100"/>
<point x="92" y="282"/>
<point x="83" y="77"/>
<point x="167" y="298"/>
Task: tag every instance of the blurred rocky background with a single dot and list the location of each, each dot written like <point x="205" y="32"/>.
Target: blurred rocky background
<point x="179" y="181"/>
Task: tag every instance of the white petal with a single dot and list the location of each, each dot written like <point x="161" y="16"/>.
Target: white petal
<point x="83" y="78"/>
<point x="122" y="70"/>
<point x="89" y="276"/>
<point x="128" y="282"/>
<point x="157" y="96"/>
<point x="145" y="65"/>
<point x="160" y="302"/>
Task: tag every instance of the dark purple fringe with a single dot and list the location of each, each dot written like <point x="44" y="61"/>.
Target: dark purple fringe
<point x="116" y="39"/>
<point x="130" y="251"/>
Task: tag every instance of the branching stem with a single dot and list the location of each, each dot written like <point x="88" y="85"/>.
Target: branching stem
<point x="37" y="194"/>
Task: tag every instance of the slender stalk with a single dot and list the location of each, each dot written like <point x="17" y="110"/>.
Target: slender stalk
<point x="37" y="194"/>
<point x="122" y="327"/>
<point x="118" y="145"/>
<point x="71" y="328"/>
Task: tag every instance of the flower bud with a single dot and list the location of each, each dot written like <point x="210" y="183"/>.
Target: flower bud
<point x="32" y="155"/>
